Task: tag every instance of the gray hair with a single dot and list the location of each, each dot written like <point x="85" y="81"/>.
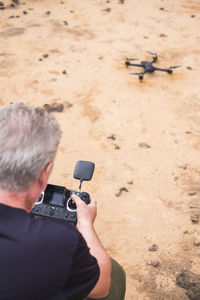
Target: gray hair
<point x="29" y="137"/>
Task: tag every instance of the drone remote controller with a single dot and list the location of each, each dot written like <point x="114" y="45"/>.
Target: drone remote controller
<point x="56" y="202"/>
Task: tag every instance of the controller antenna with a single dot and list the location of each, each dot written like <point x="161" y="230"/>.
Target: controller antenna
<point x="80" y="185"/>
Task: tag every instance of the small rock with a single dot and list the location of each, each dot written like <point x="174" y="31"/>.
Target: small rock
<point x="117" y="147"/>
<point x="194" y="218"/>
<point x="186" y="248"/>
<point x="112" y="137"/>
<point x="122" y="189"/>
<point x="144" y="145"/>
<point x="45" y="55"/>
<point x="153" y="248"/>
<point x="192" y="16"/>
<point x="197" y="242"/>
<point x="1" y="4"/>
<point x="25" y="12"/>
<point x="130" y="182"/>
<point x="162" y="8"/>
<point x="189" y="68"/>
<point x="192" y="193"/>
<point x="186" y="232"/>
<point x="154" y="263"/>
<point x="64" y="72"/>
<point x="47" y="12"/>
<point x="190" y="282"/>
<point x="65" y="22"/>
<point x="184" y="167"/>
<point x="163" y="35"/>
<point x="15" y="1"/>
<point x="100" y="57"/>
<point x="55" y="107"/>
<point x="107" y="10"/>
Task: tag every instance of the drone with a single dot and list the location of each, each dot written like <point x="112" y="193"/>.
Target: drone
<point x="148" y="66"/>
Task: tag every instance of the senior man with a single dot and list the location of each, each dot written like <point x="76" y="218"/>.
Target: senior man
<point x="43" y="259"/>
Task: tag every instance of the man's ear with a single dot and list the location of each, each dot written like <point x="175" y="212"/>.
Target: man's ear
<point x="44" y="175"/>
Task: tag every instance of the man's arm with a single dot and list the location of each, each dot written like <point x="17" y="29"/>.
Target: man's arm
<point x="86" y="215"/>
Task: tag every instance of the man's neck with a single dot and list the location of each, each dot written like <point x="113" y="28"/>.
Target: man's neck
<point x="19" y="200"/>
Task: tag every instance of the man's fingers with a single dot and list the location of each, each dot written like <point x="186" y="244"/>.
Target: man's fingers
<point x="76" y="199"/>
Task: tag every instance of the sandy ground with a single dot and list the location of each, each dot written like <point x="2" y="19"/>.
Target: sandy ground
<point x="144" y="140"/>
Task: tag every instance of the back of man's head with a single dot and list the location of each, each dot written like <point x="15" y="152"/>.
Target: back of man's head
<point x="29" y="137"/>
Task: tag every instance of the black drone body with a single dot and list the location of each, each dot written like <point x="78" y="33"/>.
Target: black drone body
<point x="148" y="66"/>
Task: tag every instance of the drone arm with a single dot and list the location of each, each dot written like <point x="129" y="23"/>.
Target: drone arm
<point x="135" y="65"/>
<point x="162" y="70"/>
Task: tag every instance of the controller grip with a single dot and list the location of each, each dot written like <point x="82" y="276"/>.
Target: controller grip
<point x="85" y="197"/>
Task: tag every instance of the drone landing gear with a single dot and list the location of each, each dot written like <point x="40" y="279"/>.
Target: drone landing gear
<point x="142" y="82"/>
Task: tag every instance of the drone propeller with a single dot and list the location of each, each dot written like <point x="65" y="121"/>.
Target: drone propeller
<point x="136" y="74"/>
<point x="174" y="67"/>
<point x="160" y="55"/>
<point x="130" y="59"/>
<point x="151" y="53"/>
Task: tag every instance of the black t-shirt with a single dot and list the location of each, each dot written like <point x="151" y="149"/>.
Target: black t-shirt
<point x="43" y="259"/>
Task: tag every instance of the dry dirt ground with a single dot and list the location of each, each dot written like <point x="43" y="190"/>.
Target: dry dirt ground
<point x="144" y="140"/>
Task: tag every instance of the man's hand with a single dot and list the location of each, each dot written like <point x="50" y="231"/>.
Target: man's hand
<point x="86" y="214"/>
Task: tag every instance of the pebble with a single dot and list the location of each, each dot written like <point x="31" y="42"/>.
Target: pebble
<point x="194" y="218"/>
<point x="130" y="182"/>
<point x="120" y="191"/>
<point x="117" y="147"/>
<point x="112" y="137"/>
<point x="154" y="263"/>
<point x="192" y="193"/>
<point x="163" y="35"/>
<point x="55" y="107"/>
<point x="107" y="9"/>
<point x="153" y="248"/>
<point x="197" y="242"/>
<point x="144" y="145"/>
